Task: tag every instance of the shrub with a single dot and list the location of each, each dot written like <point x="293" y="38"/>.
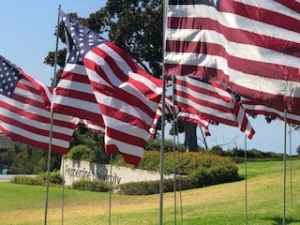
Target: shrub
<point x="139" y="188"/>
<point x="197" y="179"/>
<point x="197" y="170"/>
<point x="152" y="187"/>
<point x="55" y="177"/>
<point x="39" y="181"/>
<point x="21" y="180"/>
<point x="214" y="175"/>
<point x="217" y="150"/>
<point x="188" y="161"/>
<point x="255" y="153"/>
<point x="88" y="185"/>
<point x="182" y="183"/>
<point x="28" y="180"/>
<point x="79" y="152"/>
<point x="150" y="161"/>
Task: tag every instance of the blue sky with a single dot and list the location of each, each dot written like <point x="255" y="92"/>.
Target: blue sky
<point x="28" y="31"/>
<point x="27" y="36"/>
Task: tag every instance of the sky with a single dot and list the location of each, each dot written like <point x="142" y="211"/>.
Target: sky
<point x="27" y="36"/>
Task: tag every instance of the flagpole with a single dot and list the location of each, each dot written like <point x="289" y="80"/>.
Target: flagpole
<point x="246" y="187"/>
<point x="174" y="183"/>
<point x="161" y="188"/>
<point x="179" y="173"/>
<point x="284" y="170"/>
<point x="204" y="139"/>
<point x="162" y="149"/>
<point x="179" y="161"/>
<point x="63" y="192"/>
<point x="174" y="152"/>
<point x="291" y="166"/>
<point x="51" y="123"/>
<point x="110" y="190"/>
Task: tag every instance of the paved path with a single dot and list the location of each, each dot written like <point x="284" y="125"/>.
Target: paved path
<point x="5" y="178"/>
<point x="8" y="177"/>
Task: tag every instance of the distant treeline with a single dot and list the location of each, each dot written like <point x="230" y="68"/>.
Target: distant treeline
<point x="217" y="149"/>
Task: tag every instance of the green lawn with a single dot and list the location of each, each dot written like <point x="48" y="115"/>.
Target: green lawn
<point x="215" y="205"/>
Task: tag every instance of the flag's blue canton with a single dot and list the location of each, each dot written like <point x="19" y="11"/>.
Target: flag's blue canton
<point x="83" y="38"/>
<point x="73" y="56"/>
<point x="9" y="77"/>
<point x="214" y="3"/>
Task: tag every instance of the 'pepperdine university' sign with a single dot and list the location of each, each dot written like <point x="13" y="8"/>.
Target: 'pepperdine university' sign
<point x="73" y="170"/>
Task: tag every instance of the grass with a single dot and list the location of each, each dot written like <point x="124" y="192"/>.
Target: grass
<point x="216" y="205"/>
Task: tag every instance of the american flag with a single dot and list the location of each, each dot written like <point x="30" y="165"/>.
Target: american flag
<point x="181" y="114"/>
<point x="73" y="94"/>
<point x="251" y="46"/>
<point x="169" y="107"/>
<point x="256" y="108"/>
<point x="25" y="111"/>
<point x="127" y="95"/>
<point x="188" y="116"/>
<point x="203" y="99"/>
<point x="98" y="128"/>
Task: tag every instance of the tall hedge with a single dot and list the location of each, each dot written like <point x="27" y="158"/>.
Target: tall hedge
<point x="188" y="161"/>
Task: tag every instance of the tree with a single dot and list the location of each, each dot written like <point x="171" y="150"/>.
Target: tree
<point x="190" y="140"/>
<point x="298" y="150"/>
<point x="93" y="141"/>
<point x="217" y="149"/>
<point x="136" y="26"/>
<point x="30" y="159"/>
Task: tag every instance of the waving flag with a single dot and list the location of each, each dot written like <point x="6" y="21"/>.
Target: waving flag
<point x="25" y="114"/>
<point x="186" y="115"/>
<point x="169" y="107"/>
<point x="181" y="114"/>
<point x="98" y="128"/>
<point x="74" y="94"/>
<point x="203" y="99"/>
<point x="126" y="94"/>
<point x="251" y="46"/>
<point x="256" y="108"/>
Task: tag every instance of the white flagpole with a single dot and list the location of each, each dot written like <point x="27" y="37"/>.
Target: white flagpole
<point x="284" y="170"/>
<point x="162" y="147"/>
<point x="51" y="124"/>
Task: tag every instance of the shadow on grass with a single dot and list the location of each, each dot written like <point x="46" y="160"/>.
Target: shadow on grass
<point x="278" y="220"/>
